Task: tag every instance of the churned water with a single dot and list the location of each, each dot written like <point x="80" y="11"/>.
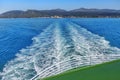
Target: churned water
<point x="31" y="45"/>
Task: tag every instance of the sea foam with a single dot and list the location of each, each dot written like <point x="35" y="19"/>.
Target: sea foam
<point x="59" y="41"/>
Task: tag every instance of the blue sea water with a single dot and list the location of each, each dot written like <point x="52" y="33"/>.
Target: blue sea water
<point x="16" y="34"/>
<point x="29" y="45"/>
<point x="108" y="28"/>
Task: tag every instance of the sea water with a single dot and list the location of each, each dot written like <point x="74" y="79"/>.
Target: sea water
<point x="29" y="45"/>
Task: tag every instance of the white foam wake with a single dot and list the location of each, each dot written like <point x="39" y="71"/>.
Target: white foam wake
<point x="35" y="57"/>
<point x="58" y="42"/>
<point x="87" y="43"/>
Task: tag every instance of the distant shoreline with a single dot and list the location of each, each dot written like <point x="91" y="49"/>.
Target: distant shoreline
<point x="60" y="13"/>
<point x="60" y="18"/>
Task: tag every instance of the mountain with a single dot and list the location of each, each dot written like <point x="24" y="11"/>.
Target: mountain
<point x="82" y="12"/>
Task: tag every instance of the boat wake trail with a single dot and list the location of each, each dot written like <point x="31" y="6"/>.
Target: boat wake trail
<point x="59" y="41"/>
<point x="87" y="43"/>
<point x="35" y="57"/>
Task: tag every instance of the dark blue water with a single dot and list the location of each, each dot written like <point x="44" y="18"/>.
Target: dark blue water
<point x="16" y="34"/>
<point x="107" y="28"/>
<point x="31" y="45"/>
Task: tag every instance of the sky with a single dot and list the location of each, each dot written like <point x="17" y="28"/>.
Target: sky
<point x="7" y="5"/>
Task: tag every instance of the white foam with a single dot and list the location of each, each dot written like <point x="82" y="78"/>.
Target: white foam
<point x="89" y="43"/>
<point x="52" y="46"/>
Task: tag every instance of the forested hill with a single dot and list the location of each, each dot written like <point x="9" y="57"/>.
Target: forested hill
<point x="56" y="13"/>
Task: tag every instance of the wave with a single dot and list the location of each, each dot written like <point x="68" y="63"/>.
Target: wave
<point x="89" y="43"/>
<point x="59" y="41"/>
<point x="17" y="34"/>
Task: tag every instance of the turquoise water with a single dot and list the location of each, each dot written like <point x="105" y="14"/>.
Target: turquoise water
<point x="29" y="45"/>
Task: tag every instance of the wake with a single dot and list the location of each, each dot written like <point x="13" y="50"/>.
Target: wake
<point x="58" y="42"/>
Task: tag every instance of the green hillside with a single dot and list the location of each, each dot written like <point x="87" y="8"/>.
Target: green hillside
<point x="106" y="71"/>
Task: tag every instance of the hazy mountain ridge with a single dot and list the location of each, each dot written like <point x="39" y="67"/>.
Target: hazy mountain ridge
<point x="82" y="12"/>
